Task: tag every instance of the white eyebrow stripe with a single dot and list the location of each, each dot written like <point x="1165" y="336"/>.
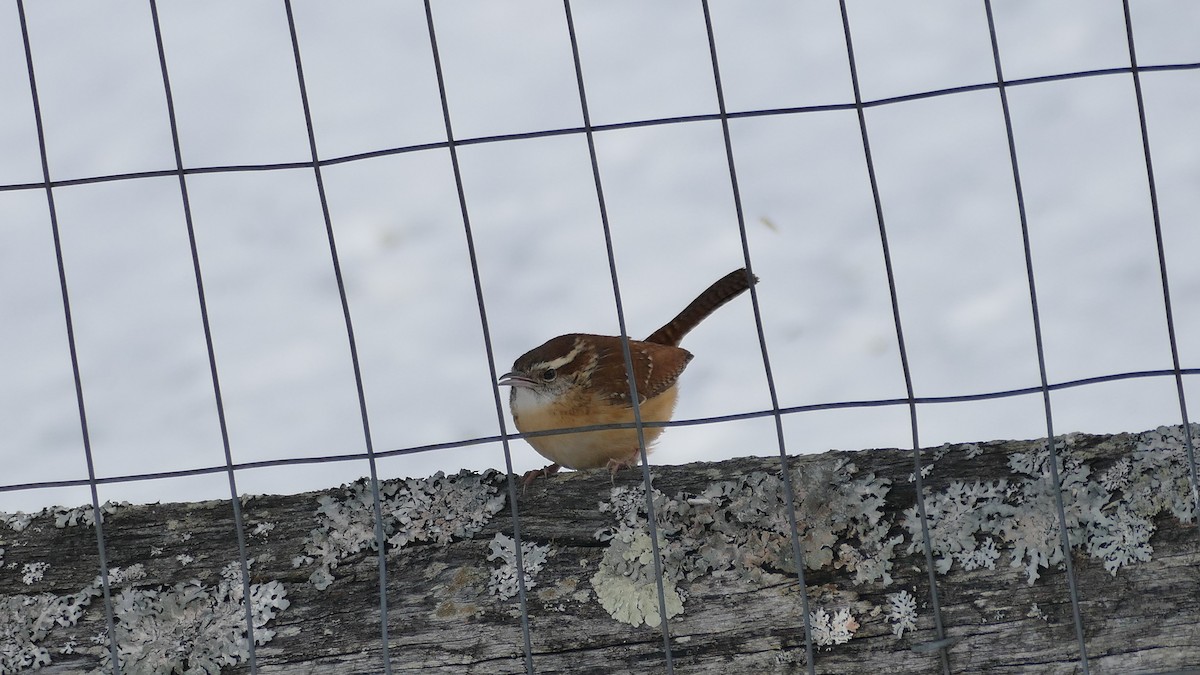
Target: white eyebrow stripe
<point x="564" y="360"/>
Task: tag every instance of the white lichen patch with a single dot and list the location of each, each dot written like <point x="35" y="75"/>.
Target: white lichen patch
<point x="16" y="521"/>
<point x="62" y="516"/>
<point x="739" y="530"/>
<point x="1120" y="537"/>
<point x="901" y="612"/>
<point x="27" y="620"/>
<point x="31" y="573"/>
<point x="1160" y="476"/>
<point x="503" y="583"/>
<point x="829" y="630"/>
<point x="963" y="522"/>
<point x="118" y="575"/>
<point x="1036" y="612"/>
<point x="1118" y="475"/>
<point x="437" y="509"/>
<point x="83" y="515"/>
<point x="842" y="512"/>
<point x="192" y="627"/>
<point x="1110" y="516"/>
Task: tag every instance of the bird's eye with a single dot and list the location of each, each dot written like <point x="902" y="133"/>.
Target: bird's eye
<point x="549" y="374"/>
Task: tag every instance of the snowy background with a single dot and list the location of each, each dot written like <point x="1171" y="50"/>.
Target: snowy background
<point x="279" y="335"/>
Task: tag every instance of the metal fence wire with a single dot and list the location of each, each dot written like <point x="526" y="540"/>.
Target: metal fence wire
<point x="1001" y="86"/>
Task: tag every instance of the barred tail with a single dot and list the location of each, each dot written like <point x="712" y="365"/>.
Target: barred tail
<point x="725" y="289"/>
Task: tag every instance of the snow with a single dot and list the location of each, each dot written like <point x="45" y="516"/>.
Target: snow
<point x="279" y="336"/>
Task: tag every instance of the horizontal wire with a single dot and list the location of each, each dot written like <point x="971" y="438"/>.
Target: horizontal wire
<point x="599" y="128"/>
<point x="696" y="421"/>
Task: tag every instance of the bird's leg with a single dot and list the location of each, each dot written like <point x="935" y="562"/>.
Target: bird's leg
<point x="533" y="475"/>
<point x="615" y="464"/>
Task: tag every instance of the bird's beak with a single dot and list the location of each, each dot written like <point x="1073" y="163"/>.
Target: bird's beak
<point x="515" y="379"/>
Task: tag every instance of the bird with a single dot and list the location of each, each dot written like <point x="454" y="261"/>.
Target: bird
<point x="579" y="379"/>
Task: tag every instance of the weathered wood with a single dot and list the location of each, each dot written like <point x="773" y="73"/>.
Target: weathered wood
<point x="742" y="616"/>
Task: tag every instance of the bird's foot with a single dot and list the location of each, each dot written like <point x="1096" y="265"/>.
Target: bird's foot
<point x="533" y="475"/>
<point x="616" y="464"/>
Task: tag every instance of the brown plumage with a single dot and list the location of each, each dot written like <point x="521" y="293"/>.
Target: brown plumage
<point x="579" y="379"/>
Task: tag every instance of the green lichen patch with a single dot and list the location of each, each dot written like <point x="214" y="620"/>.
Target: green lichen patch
<point x="625" y="584"/>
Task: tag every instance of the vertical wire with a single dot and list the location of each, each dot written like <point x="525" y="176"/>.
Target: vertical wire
<point x="243" y="556"/>
<point x="788" y="489"/>
<point x="908" y="384"/>
<point x="452" y="147"/>
<point x="1065" y="536"/>
<point x="97" y="515"/>
<point x="625" y="353"/>
<point x="1162" y="260"/>
<point x="380" y="542"/>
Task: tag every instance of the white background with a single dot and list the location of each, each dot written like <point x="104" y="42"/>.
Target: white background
<point x="279" y="335"/>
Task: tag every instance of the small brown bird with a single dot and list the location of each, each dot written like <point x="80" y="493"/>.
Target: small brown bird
<point x="577" y="380"/>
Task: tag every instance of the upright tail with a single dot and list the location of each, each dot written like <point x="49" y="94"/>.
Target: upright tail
<point x="725" y="289"/>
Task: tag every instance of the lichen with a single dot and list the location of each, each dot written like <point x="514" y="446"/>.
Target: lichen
<point x="31" y="573"/>
<point x="83" y="515"/>
<point x="191" y="627"/>
<point x="118" y="575"/>
<point x="901" y="612"/>
<point x="626" y="583"/>
<point x="1036" y="612"/>
<point x="1154" y="479"/>
<point x="840" y="506"/>
<point x="1120" y="538"/>
<point x="963" y="522"/>
<point x="739" y="530"/>
<point x="1109" y="517"/>
<point x="63" y="517"/>
<point x="966" y="520"/>
<point x="1118" y="475"/>
<point x="26" y="621"/>
<point x="16" y="521"/>
<point x="1160" y="479"/>
<point x="437" y="509"/>
<point x="503" y="582"/>
<point x="832" y="630"/>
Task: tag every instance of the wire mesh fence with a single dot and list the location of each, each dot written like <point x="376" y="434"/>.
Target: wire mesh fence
<point x="998" y="93"/>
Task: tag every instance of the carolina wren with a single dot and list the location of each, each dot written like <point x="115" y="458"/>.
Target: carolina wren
<point x="577" y="380"/>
